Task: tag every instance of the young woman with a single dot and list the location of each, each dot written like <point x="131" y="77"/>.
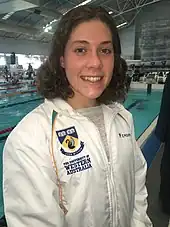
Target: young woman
<point x="74" y="160"/>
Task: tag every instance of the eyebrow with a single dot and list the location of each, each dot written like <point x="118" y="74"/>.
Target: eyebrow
<point x="86" y="42"/>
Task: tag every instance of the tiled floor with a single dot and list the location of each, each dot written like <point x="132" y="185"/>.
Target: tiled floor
<point x="153" y="181"/>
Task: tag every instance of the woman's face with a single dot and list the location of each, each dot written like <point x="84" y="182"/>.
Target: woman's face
<point x="89" y="61"/>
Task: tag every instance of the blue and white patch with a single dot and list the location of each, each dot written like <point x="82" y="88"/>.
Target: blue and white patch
<point x="70" y="143"/>
<point x="78" y="165"/>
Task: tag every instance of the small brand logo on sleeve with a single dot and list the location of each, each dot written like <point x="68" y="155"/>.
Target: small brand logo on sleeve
<point x="124" y="135"/>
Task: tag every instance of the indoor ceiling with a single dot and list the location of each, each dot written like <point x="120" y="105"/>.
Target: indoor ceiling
<point x="37" y="19"/>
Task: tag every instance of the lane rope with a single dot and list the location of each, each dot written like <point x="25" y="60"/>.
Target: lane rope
<point x="17" y="93"/>
<point x="19" y="103"/>
<point x="3" y="131"/>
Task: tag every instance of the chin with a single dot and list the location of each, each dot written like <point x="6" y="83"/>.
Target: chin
<point x="93" y="96"/>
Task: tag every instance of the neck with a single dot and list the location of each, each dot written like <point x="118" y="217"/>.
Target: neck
<point x="80" y="103"/>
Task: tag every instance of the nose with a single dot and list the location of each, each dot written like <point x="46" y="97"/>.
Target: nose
<point x="94" y="60"/>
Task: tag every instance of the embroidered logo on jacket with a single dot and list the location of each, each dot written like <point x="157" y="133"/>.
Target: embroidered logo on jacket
<point x="70" y="143"/>
<point x="78" y="165"/>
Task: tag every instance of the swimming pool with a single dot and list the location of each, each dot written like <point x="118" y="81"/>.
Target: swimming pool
<point x="12" y="109"/>
<point x="145" y="108"/>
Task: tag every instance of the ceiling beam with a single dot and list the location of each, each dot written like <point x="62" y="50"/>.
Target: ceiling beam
<point x="14" y="6"/>
<point x="136" y="7"/>
<point x="38" y="2"/>
<point x="18" y="29"/>
<point x="50" y="13"/>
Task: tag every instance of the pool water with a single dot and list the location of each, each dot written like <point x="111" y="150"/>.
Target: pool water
<point x="145" y="110"/>
<point x="12" y="109"/>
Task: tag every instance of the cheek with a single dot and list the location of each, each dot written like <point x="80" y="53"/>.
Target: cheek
<point x="71" y="70"/>
<point x="73" y="67"/>
<point x="109" y="66"/>
<point x="69" y="66"/>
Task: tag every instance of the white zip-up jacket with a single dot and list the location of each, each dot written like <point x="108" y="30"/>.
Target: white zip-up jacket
<point x="56" y="172"/>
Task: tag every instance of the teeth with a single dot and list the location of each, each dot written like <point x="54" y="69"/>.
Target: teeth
<point x="92" y="79"/>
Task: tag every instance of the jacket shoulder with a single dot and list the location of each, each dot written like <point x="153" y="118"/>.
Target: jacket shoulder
<point x="31" y="125"/>
<point x="122" y="112"/>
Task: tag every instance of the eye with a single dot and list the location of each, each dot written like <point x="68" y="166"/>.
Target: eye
<point x="106" y="51"/>
<point x="80" y="50"/>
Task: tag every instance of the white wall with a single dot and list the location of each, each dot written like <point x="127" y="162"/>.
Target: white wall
<point x="127" y="39"/>
<point x="8" y="45"/>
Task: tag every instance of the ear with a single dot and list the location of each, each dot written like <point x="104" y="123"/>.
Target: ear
<point x="62" y="62"/>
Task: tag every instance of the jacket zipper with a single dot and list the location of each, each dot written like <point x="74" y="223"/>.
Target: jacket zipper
<point x="111" y="194"/>
<point x="114" y="193"/>
<point x="108" y="182"/>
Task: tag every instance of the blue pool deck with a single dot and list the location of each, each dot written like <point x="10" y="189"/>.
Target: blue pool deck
<point x="144" y="109"/>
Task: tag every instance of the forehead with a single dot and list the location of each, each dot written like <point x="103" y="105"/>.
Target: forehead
<point x="94" y="31"/>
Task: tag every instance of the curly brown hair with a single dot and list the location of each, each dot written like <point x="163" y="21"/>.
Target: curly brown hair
<point x="51" y="76"/>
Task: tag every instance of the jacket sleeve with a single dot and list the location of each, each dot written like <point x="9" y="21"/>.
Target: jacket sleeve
<point x="29" y="187"/>
<point x="140" y="217"/>
<point x="163" y="119"/>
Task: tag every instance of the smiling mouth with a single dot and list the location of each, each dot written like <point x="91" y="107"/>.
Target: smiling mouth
<point x="92" y="79"/>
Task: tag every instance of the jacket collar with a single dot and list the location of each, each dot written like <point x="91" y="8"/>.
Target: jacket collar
<point x="62" y="107"/>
